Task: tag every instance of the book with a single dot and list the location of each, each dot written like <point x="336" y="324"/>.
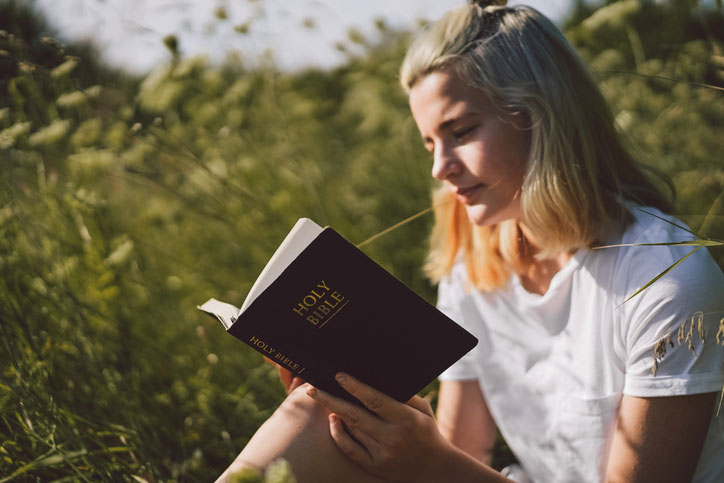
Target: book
<point x="321" y="306"/>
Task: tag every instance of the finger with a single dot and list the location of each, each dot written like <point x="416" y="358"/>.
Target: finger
<point x="365" y="440"/>
<point x="379" y="403"/>
<point x="422" y="405"/>
<point x="286" y="378"/>
<point x="296" y="382"/>
<point x="347" y="444"/>
<point x="354" y="417"/>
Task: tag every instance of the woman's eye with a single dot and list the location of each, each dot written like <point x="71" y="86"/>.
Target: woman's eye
<point x="459" y="134"/>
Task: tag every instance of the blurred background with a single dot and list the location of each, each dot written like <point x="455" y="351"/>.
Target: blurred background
<point x="154" y="154"/>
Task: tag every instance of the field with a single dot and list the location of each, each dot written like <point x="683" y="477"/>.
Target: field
<point x="125" y="202"/>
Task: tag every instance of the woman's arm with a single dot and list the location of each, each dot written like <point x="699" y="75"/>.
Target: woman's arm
<point x="659" y="438"/>
<point x="464" y="419"/>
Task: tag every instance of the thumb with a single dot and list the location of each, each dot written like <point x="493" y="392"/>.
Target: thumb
<point x="421" y="404"/>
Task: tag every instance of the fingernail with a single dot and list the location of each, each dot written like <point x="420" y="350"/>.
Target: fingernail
<point x="312" y="392"/>
<point x="333" y="418"/>
<point x="341" y="378"/>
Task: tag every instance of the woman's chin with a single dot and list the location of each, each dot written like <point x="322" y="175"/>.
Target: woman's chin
<point x="482" y="215"/>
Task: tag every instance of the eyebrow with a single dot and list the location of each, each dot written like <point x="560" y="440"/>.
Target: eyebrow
<point x="448" y="122"/>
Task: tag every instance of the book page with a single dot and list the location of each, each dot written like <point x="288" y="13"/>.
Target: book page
<point x="226" y="313"/>
<point x="302" y="234"/>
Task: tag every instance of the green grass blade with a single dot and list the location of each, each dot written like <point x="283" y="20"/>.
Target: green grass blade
<point x="54" y="458"/>
<point x="671" y="223"/>
<point x="670" y="79"/>
<point x="650" y="282"/>
<point x="710" y="215"/>
<point x="51" y="459"/>
<point x="685" y="243"/>
<point x="394" y="227"/>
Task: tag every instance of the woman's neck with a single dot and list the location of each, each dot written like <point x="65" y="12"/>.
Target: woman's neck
<point x="536" y="274"/>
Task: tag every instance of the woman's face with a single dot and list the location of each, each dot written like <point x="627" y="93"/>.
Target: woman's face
<point x="478" y="151"/>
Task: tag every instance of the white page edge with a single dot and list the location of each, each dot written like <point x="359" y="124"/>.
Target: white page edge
<point x="304" y="232"/>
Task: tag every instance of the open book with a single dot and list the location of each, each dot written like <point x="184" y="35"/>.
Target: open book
<point x="321" y="306"/>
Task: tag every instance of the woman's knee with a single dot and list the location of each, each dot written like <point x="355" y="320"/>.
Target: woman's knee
<point x="297" y="426"/>
<point x="300" y="413"/>
<point x="298" y="431"/>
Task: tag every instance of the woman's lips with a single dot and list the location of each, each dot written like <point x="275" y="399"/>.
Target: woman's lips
<point x="466" y="194"/>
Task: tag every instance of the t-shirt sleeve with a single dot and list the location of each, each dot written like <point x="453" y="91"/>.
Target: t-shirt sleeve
<point x="683" y="308"/>
<point x="452" y="300"/>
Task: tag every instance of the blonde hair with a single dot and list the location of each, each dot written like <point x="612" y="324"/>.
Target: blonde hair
<point x="579" y="175"/>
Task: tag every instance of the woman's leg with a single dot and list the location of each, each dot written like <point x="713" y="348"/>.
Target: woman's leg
<point x="298" y="431"/>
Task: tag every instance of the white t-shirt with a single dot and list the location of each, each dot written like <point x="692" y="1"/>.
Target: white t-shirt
<point x="553" y="367"/>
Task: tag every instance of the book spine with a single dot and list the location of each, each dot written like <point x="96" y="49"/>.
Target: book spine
<point x="286" y="359"/>
<point x="317" y="375"/>
<point x="274" y="353"/>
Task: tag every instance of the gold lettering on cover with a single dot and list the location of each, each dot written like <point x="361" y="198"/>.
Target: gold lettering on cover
<point x="320" y="304"/>
<point x="333" y="314"/>
<point x="300" y="309"/>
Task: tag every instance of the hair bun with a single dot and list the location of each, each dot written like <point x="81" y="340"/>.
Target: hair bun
<point x="488" y="3"/>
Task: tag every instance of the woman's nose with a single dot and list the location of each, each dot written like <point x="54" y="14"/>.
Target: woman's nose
<point x="445" y="163"/>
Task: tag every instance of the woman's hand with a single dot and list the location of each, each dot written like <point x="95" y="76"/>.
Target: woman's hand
<point x="392" y="440"/>
<point x="288" y="380"/>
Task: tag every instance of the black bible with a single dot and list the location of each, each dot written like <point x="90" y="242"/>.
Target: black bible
<point x="321" y="306"/>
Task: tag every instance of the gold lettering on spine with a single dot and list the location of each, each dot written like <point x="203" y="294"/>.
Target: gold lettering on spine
<point x="288" y="363"/>
<point x="261" y="345"/>
<point x="276" y="356"/>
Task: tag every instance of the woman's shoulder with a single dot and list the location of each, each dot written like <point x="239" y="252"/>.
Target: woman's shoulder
<point x="637" y="262"/>
<point x="457" y="286"/>
<point x="647" y="242"/>
<point x="651" y="225"/>
<point x="456" y="280"/>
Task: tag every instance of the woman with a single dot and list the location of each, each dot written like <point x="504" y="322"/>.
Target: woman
<point x="533" y="177"/>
